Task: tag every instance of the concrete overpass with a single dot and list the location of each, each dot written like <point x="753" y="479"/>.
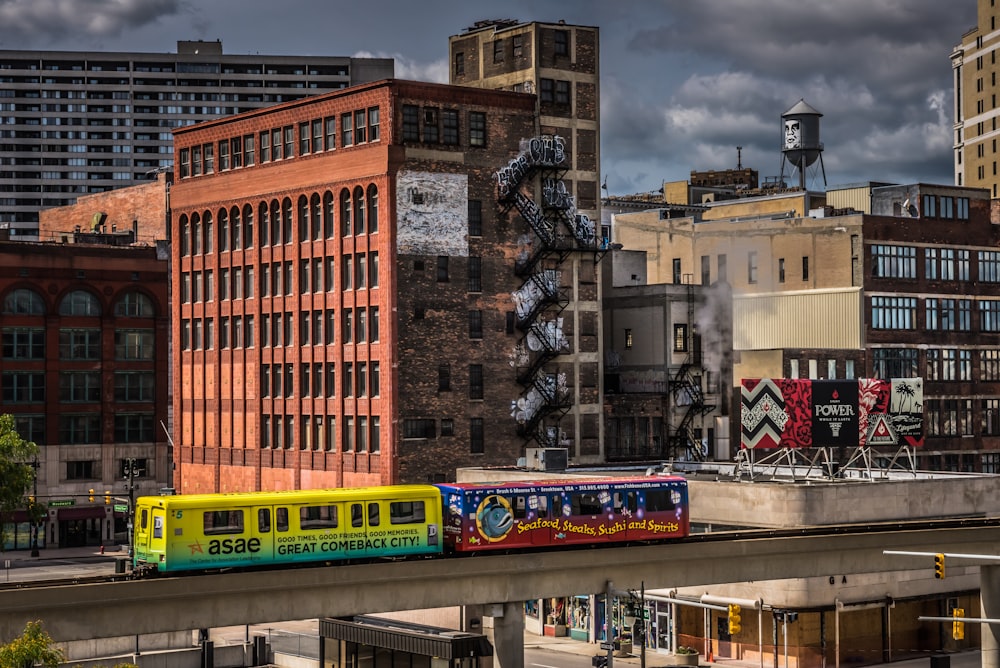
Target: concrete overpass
<point x="113" y="609"/>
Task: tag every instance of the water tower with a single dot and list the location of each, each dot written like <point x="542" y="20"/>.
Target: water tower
<point x="801" y="145"/>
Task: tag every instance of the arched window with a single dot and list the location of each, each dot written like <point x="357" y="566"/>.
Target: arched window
<point x="372" y="208"/>
<point x="247" y="226"/>
<point x="80" y="302"/>
<point x="265" y="224"/>
<point x="345" y="212"/>
<point x="209" y="232"/>
<point x="23" y="301"/>
<point x="223" y="230"/>
<point x="134" y="304"/>
<point x="195" y="234"/>
<point x="234" y="229"/>
<point x="316" y="217"/>
<point x="328" y="219"/>
<point x="185" y="235"/>
<point x="303" y="214"/>
<point x="359" y="210"/>
<point x="286" y="220"/>
<point x="275" y="223"/>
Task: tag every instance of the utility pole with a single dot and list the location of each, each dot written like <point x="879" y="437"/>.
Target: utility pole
<point x="131" y="472"/>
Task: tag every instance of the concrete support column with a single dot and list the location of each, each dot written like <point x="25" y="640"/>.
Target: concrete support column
<point x="472" y="618"/>
<point x="508" y="633"/>
<point x="989" y="587"/>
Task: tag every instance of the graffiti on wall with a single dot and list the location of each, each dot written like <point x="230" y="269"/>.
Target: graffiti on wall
<point x="432" y="212"/>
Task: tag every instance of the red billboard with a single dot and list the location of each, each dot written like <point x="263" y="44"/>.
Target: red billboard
<point x="804" y="413"/>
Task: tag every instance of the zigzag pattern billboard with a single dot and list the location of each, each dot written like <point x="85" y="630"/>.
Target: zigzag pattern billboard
<point x="804" y="413"/>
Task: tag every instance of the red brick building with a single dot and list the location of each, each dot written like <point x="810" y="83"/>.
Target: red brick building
<point x="84" y="370"/>
<point x="344" y="282"/>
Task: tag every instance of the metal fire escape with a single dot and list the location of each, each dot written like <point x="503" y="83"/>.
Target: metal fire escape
<point x="686" y="390"/>
<point x="559" y="233"/>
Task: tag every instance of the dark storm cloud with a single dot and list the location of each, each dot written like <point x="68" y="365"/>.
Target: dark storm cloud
<point x="878" y="70"/>
<point x="34" y="23"/>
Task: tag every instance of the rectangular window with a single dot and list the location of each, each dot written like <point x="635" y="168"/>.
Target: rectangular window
<point x="680" y="337"/>
<point x="442" y="268"/>
<point x="560" y="42"/>
<point x="449" y="127"/>
<point x="890" y="363"/>
<point x="459" y="64"/>
<point x="134" y="427"/>
<point x="475" y="324"/>
<point x="373" y="124"/>
<point x="498" y="51"/>
<point x="419" y="428"/>
<point x="430" y="126"/>
<point x="23" y="343"/>
<point x="79" y="386"/>
<point x="989" y="365"/>
<point x="477" y="436"/>
<point x="475" y="381"/>
<point x="928" y="207"/>
<point x="134" y="344"/>
<point x="989" y="316"/>
<point x="475" y="274"/>
<point x="752" y="267"/>
<point x="411" y="123"/>
<point x="360" y="127"/>
<point x="475" y="218"/>
<point x="894" y="261"/>
<point x="135" y="386"/>
<point x="805" y="268"/>
<point x="896" y="313"/>
<point x="347" y="129"/>
<point x="477" y="128"/>
<point x="23" y="387"/>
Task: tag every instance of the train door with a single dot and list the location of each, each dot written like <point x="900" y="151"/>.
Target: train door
<point x="363" y="515"/>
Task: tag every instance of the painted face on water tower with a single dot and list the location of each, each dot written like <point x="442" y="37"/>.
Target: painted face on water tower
<point x="793" y="134"/>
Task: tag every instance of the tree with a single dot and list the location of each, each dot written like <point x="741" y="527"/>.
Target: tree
<point x="32" y="648"/>
<point x="16" y="473"/>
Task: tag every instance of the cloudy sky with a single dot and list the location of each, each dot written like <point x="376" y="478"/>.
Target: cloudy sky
<point x="683" y="82"/>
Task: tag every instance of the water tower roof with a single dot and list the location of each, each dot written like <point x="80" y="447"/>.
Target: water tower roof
<point x="801" y="108"/>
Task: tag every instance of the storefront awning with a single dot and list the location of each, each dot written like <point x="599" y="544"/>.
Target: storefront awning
<point x="406" y="637"/>
<point x="81" y="513"/>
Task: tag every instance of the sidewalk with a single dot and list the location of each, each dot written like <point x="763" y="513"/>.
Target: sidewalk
<point x="656" y="660"/>
<point x="111" y="552"/>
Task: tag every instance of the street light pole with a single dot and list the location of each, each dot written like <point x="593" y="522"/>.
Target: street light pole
<point x="31" y="512"/>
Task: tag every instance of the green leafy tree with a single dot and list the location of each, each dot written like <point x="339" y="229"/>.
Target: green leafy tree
<point x="32" y="648"/>
<point x="16" y="475"/>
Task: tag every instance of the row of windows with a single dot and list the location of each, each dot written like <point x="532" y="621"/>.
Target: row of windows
<point x="944" y="264"/>
<point x="956" y="417"/>
<point x="85" y="428"/>
<point x="76" y="386"/>
<point x="318" y="380"/>
<point x="28" y="343"/>
<point x="426" y="428"/>
<point x="91" y="470"/>
<point x="941" y="314"/>
<point x="430" y="125"/>
<point x="25" y="301"/>
<point x="360" y="433"/>
<point x="317" y="328"/>
<point x="942" y="364"/>
<point x="232" y="522"/>
<point x="315" y="218"/>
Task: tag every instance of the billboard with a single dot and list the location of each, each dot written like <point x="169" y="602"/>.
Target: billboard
<point x="804" y="413"/>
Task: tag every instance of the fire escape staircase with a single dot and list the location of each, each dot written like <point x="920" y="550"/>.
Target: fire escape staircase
<point x="684" y="388"/>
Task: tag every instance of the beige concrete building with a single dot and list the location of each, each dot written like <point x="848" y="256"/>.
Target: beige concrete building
<point x="975" y="67"/>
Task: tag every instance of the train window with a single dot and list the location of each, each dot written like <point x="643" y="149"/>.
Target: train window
<point x="318" y="517"/>
<point x="586" y="504"/>
<point x="633" y="503"/>
<point x="519" y="507"/>
<point x="543" y="505"/>
<point x="373" y="515"/>
<point x="144" y="519"/>
<point x="619" y="502"/>
<point x="357" y="515"/>
<point x="220" y="522"/>
<point x="264" y="520"/>
<point x="406" y="512"/>
<point x="158" y="527"/>
<point x="658" y="499"/>
<point x="281" y="519"/>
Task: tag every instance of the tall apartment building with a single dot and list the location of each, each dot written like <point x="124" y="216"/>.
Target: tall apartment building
<point x="975" y="70"/>
<point x="560" y="64"/>
<point x="73" y="123"/>
<point x="351" y="307"/>
<point x="84" y="369"/>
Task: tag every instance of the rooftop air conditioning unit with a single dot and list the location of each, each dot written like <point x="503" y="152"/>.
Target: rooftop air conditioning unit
<point x="547" y="459"/>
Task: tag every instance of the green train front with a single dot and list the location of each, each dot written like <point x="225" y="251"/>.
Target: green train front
<point x="209" y="531"/>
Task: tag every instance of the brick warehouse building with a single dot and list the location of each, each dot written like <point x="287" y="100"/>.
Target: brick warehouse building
<point x="344" y="311"/>
<point x="84" y="371"/>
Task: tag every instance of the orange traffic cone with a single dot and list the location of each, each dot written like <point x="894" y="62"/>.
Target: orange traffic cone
<point x="710" y="658"/>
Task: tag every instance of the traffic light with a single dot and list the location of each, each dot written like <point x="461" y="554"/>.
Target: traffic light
<point x="107" y="498"/>
<point x="957" y="627"/>
<point x="91" y="497"/>
<point x="939" y="566"/>
<point x="735" y="621"/>
<point x="31" y="500"/>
